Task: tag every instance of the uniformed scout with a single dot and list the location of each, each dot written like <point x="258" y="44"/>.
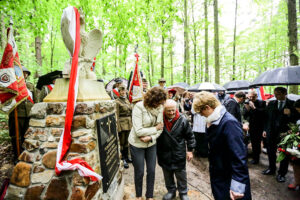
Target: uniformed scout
<point x="124" y="123"/>
<point x="23" y="110"/>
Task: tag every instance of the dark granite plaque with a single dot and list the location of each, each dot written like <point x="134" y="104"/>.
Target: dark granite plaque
<point x="108" y="147"/>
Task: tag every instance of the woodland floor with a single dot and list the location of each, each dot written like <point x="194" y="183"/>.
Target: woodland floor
<point x="262" y="187"/>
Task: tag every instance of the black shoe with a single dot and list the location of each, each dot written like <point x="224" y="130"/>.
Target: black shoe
<point x="126" y="166"/>
<point x="169" y="196"/>
<point x="129" y="160"/>
<point x="280" y="179"/>
<point x="184" y="197"/>
<point x="254" y="162"/>
<point x="268" y="172"/>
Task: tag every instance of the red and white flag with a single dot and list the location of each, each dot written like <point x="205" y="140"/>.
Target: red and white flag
<point x="136" y="88"/>
<point x="13" y="88"/>
<point x="72" y="14"/>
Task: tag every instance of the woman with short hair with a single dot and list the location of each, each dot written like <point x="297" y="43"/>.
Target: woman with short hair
<point x="147" y="125"/>
<point x="227" y="152"/>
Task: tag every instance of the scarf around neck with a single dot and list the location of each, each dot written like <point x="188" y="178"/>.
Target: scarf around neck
<point x="215" y="115"/>
<point x="169" y="124"/>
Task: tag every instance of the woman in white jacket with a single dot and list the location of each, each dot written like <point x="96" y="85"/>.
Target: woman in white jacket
<point x="147" y="125"/>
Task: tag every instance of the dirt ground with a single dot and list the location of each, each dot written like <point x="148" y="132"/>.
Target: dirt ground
<point x="262" y="187"/>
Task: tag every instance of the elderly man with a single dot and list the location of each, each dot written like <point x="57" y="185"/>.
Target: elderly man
<point x="254" y="111"/>
<point x="162" y="83"/>
<point x="177" y="136"/>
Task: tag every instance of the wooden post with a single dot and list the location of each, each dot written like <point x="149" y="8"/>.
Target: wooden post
<point x="17" y="131"/>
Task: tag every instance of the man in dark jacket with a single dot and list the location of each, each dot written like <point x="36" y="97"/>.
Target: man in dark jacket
<point x="233" y="105"/>
<point x="177" y="135"/>
<point x="227" y="155"/>
<point x="254" y="111"/>
<point x="280" y="113"/>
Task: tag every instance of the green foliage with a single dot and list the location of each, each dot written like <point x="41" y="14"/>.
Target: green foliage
<point x="290" y="139"/>
<point x="126" y="23"/>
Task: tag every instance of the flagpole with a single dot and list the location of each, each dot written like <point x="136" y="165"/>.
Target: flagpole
<point x="17" y="131"/>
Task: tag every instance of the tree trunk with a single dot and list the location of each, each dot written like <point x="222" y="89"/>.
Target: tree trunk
<point x="293" y="40"/>
<point x="195" y="44"/>
<point x="186" y="72"/>
<point x="206" y="42"/>
<point x="116" y="58"/>
<point x="38" y="50"/>
<point x="234" y="42"/>
<point x="216" y="45"/>
<point x="162" y="66"/>
<point x="151" y="67"/>
<point x="52" y="43"/>
<point x="171" y="57"/>
<point x="3" y="32"/>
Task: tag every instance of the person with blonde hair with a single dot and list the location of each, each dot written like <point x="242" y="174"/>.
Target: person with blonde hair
<point x="227" y="155"/>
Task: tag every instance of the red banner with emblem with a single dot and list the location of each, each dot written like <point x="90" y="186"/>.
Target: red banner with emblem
<point x="136" y="89"/>
<point x="13" y="88"/>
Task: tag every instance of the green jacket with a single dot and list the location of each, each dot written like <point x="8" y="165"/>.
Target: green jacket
<point x="25" y="107"/>
<point x="124" y="113"/>
<point x="144" y="121"/>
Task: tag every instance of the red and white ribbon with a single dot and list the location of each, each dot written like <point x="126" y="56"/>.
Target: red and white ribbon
<point x="65" y="140"/>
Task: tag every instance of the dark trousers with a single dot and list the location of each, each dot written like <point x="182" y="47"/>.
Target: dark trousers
<point x="201" y="144"/>
<point x="123" y="138"/>
<point x="272" y="149"/>
<point x="139" y="155"/>
<point x="181" y="180"/>
<point x="23" y="123"/>
<point x="256" y="138"/>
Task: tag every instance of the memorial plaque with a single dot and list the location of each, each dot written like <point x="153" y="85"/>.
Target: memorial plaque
<point x="108" y="147"/>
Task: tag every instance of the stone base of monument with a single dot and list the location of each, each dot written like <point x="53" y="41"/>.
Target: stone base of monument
<point x="94" y="139"/>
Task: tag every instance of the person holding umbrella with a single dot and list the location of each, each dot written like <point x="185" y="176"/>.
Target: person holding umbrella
<point x="280" y="113"/>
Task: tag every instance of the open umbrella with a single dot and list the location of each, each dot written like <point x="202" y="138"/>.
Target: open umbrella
<point x="47" y="79"/>
<point x="293" y="97"/>
<point x="237" y="85"/>
<point x="205" y="86"/>
<point x="109" y="85"/>
<point x="280" y="76"/>
<point x="182" y="84"/>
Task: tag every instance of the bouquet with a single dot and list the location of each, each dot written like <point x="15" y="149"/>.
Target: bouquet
<point x="290" y="144"/>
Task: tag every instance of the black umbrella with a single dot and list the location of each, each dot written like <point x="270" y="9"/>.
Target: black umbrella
<point x="205" y="86"/>
<point x="237" y="85"/>
<point x="182" y="84"/>
<point x="280" y="76"/>
<point x="110" y="84"/>
<point x="47" y="79"/>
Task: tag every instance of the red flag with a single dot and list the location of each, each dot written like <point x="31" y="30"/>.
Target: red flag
<point x="72" y="14"/>
<point x="13" y="88"/>
<point x="136" y="89"/>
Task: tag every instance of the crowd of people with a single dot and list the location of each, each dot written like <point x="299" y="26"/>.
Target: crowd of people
<point x="207" y="124"/>
<point x="172" y="128"/>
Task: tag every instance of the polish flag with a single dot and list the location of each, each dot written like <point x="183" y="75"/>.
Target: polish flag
<point x="135" y="88"/>
<point x="72" y="14"/>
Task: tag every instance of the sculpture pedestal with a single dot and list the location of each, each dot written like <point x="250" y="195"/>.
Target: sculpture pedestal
<point x="88" y="90"/>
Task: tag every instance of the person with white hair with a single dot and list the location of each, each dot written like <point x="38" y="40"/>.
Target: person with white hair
<point x="177" y="136"/>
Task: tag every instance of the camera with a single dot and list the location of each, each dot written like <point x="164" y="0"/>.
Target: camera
<point x="247" y="101"/>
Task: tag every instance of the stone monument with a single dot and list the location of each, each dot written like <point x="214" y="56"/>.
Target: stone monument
<point x="93" y="134"/>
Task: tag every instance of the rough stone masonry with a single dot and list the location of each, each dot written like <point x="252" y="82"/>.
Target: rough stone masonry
<point x="34" y="177"/>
